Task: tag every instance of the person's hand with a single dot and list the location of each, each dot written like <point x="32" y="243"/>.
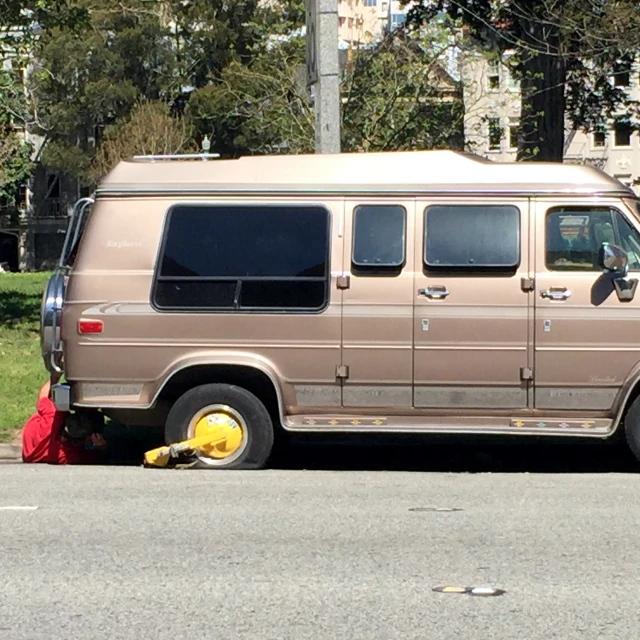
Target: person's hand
<point x="98" y="442"/>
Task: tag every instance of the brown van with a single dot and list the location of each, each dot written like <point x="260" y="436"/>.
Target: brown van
<point x="422" y="292"/>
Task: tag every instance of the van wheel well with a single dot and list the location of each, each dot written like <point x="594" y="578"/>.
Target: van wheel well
<point x="248" y="378"/>
<point x="618" y="435"/>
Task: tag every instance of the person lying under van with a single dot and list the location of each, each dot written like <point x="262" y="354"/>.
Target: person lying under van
<point x="57" y="437"/>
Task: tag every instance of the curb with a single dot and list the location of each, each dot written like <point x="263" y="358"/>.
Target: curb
<point x="10" y="452"/>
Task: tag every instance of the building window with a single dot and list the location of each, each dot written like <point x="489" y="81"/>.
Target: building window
<point x="622" y="78"/>
<point x="244" y="258"/>
<point x="464" y="237"/>
<point x="493" y="79"/>
<point x="599" y="139"/>
<point x="574" y="236"/>
<point x="379" y="238"/>
<point x="622" y="133"/>
<point x="495" y="134"/>
<point x="514" y="133"/>
<point x="22" y="197"/>
<point x="512" y="83"/>
<point x="397" y="19"/>
<point x="53" y="186"/>
<point x="370" y="3"/>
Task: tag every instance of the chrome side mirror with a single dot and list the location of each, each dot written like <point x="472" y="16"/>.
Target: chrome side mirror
<point x="613" y="259"/>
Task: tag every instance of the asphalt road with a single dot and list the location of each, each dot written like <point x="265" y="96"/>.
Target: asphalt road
<point x="125" y="552"/>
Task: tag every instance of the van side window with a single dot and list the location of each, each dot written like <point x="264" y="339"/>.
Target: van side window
<point x="477" y="237"/>
<point x="243" y="258"/>
<point x="379" y="237"/>
<point x="575" y="234"/>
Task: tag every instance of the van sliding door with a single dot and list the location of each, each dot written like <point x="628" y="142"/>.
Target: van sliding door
<point x="473" y="306"/>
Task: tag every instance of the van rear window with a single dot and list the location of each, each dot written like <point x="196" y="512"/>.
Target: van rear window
<point x="472" y="237"/>
<point x="243" y="258"/>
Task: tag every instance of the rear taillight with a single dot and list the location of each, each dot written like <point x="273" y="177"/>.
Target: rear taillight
<point x="90" y="326"/>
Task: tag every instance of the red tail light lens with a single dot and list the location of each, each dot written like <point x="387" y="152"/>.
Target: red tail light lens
<point x="90" y="326"/>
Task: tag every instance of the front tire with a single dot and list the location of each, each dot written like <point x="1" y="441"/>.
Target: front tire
<point x="241" y="414"/>
<point x="632" y="427"/>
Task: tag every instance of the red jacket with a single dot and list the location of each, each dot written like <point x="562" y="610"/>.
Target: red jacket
<point x="41" y="442"/>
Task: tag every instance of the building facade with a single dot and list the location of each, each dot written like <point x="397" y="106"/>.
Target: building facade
<point x="492" y="118"/>
<point x="357" y="22"/>
<point x="365" y="21"/>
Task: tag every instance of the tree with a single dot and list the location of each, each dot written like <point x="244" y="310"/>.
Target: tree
<point x="91" y="72"/>
<point x="395" y="95"/>
<point x="96" y="65"/>
<point x="259" y="108"/>
<point x="148" y="130"/>
<point x="208" y="35"/>
<point x="16" y="166"/>
<point x="15" y="169"/>
<point x="565" y="51"/>
<point x="398" y="95"/>
<point x="257" y="102"/>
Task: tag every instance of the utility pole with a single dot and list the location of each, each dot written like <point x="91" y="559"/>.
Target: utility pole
<point x="323" y="72"/>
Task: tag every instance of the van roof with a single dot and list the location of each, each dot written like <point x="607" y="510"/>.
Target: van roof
<point x="401" y="172"/>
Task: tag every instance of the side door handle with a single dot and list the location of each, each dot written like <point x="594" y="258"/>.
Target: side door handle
<point x="555" y="293"/>
<point x="435" y="291"/>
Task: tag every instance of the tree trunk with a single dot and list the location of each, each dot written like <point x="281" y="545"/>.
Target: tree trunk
<point x="542" y="99"/>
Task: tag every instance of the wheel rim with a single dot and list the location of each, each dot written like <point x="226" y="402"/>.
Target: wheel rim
<point x="213" y="418"/>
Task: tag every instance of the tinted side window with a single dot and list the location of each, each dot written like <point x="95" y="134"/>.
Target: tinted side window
<point x="472" y="237"/>
<point x="243" y="258"/>
<point x="379" y="237"/>
<point x="574" y="236"/>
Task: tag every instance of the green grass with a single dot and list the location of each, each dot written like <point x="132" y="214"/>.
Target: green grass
<point x="22" y="371"/>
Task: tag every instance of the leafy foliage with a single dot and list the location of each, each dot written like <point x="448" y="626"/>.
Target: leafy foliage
<point x="262" y="107"/>
<point x="89" y="78"/>
<point x="15" y="170"/>
<point x="395" y="95"/>
<point x="149" y="129"/>
<point x="398" y="95"/>
<point x="105" y="56"/>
